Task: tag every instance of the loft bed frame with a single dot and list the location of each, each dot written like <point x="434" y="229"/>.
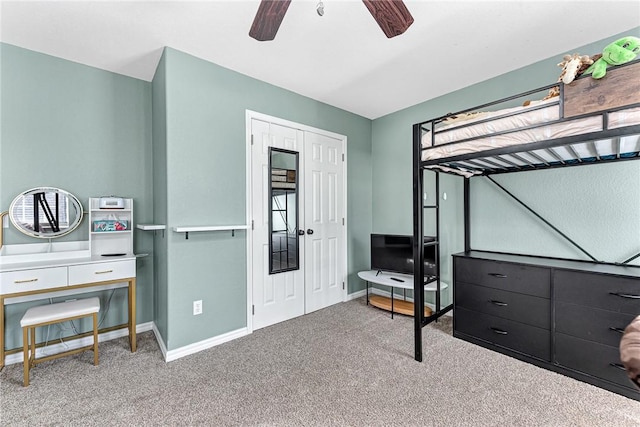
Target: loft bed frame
<point x="590" y="122"/>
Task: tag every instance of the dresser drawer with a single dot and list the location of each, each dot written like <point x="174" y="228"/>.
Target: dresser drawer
<point x="101" y="272"/>
<point x="591" y="358"/>
<point x="602" y="326"/>
<point x="527" y="309"/>
<point x="503" y="275"/>
<point x="515" y="336"/>
<point x="597" y="290"/>
<point x="32" y="280"/>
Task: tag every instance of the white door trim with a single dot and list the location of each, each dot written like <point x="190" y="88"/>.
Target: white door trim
<point x="249" y="115"/>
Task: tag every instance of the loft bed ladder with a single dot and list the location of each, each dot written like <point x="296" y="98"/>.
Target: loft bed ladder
<point x="419" y="279"/>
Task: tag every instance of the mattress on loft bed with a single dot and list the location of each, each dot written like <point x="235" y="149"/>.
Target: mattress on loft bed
<point x="485" y="138"/>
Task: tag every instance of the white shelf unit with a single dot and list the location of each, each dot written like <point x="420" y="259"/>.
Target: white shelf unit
<point x="110" y="242"/>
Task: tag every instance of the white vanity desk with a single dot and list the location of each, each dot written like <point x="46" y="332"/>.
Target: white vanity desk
<point x="38" y="271"/>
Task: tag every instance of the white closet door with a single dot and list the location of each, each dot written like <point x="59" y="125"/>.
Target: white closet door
<point x="276" y="297"/>
<point x="324" y="213"/>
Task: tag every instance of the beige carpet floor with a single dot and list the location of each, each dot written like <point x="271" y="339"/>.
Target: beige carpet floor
<point x="347" y="365"/>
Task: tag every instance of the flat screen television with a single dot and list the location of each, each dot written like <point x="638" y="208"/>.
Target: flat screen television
<point x="392" y="252"/>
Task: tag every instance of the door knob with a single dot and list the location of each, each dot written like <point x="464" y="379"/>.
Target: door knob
<point x="300" y="232"/>
<point x="309" y="231"/>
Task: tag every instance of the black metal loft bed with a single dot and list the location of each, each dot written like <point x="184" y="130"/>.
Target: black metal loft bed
<point x="590" y="122"/>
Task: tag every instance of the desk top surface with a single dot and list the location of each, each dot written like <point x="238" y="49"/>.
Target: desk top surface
<point x="402" y="281"/>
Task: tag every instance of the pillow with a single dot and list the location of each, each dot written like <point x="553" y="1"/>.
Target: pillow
<point x="630" y="350"/>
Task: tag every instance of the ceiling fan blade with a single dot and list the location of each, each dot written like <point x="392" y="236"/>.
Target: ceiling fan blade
<point x="392" y="16"/>
<point x="268" y="19"/>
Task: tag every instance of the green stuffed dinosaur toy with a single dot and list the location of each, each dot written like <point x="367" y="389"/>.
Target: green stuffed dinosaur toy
<point x="617" y="53"/>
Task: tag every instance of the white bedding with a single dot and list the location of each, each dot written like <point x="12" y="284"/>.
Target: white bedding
<point x="450" y="132"/>
<point x="454" y="132"/>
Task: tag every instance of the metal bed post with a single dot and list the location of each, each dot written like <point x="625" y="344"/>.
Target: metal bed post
<point x="467" y="221"/>
<point x="418" y="246"/>
<point x="437" y="243"/>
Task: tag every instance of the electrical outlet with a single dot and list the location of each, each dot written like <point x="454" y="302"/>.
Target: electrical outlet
<point x="197" y="307"/>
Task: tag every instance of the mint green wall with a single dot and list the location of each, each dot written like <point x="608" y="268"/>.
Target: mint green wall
<point x="159" y="104"/>
<point x="82" y="129"/>
<point x="206" y="185"/>
<point x="597" y="206"/>
<point x="605" y="198"/>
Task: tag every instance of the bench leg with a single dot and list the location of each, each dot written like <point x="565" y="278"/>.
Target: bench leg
<point x="95" y="339"/>
<point x="33" y="347"/>
<point x="25" y="348"/>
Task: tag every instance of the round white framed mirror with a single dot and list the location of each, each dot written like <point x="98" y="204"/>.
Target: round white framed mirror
<point x="46" y="212"/>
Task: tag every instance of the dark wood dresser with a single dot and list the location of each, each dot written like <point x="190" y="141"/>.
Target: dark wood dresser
<point x="566" y="316"/>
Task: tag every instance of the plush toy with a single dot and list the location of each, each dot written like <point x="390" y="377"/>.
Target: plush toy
<point x="630" y="350"/>
<point x="572" y="65"/>
<point x="619" y="52"/>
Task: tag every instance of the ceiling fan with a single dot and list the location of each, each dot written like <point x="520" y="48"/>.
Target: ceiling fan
<point x="392" y="16"/>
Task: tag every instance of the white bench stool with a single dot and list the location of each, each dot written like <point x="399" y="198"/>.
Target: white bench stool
<point x="44" y="315"/>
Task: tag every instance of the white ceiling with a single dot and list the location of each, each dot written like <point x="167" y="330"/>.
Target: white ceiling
<point x="342" y="58"/>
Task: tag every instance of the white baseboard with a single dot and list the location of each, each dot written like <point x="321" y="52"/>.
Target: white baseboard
<point x="160" y="341"/>
<point x="356" y="295"/>
<point x="77" y="343"/>
<point x="144" y="327"/>
<point x="199" y="346"/>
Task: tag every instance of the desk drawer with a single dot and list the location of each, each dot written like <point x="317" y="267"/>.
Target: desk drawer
<point x="591" y="358"/>
<point x="12" y="282"/>
<point x="527" y="309"/>
<point x="590" y="323"/>
<point x="503" y="275"/>
<point x="101" y="272"/>
<point x="516" y="336"/>
<point x="597" y="290"/>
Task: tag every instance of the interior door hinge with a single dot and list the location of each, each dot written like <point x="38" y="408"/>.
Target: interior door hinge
<point x="343" y="157"/>
<point x="251" y="139"/>
<point x="252" y="224"/>
<point x="342" y="221"/>
<point x="253" y="310"/>
<point x="343" y="285"/>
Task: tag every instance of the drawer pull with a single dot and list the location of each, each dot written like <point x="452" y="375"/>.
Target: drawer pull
<point x="104" y="272"/>
<point x="26" y="280"/>
<point x="629" y="296"/>
<point x="498" y="275"/>
<point x="617" y="366"/>
<point x="499" y="331"/>
<point x="620" y="330"/>
<point x="498" y="303"/>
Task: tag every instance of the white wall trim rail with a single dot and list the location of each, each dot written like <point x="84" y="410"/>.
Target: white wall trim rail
<point x="200" y="228"/>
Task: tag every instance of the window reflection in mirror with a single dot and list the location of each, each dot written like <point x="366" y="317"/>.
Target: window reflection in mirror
<point x="283" y="208"/>
<point x="45" y="212"/>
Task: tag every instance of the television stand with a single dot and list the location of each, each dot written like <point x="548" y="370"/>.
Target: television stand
<point x="395" y="280"/>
